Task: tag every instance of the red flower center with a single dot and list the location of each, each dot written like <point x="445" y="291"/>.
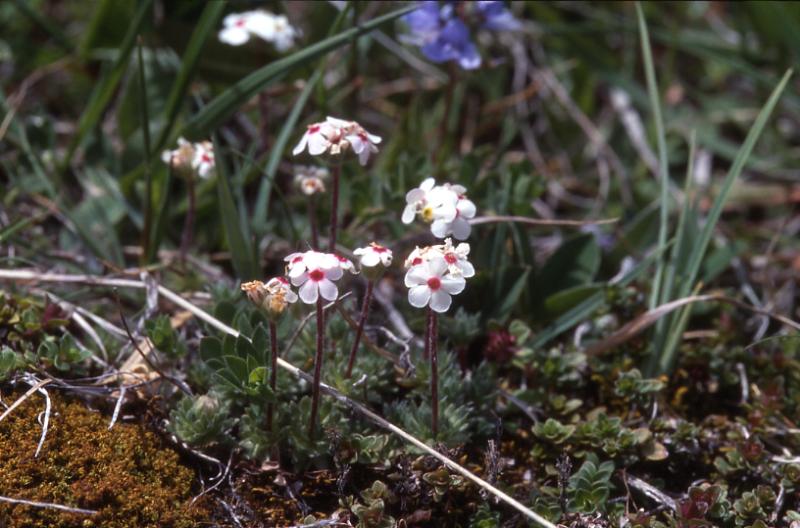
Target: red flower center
<point x="297" y="259"/>
<point x="316" y="275"/>
<point x="379" y="249"/>
<point x="240" y="23"/>
<point x="313" y="129"/>
<point x="416" y="262"/>
<point x="434" y="283"/>
<point x="205" y="158"/>
<point x="450" y="258"/>
<point x="282" y="280"/>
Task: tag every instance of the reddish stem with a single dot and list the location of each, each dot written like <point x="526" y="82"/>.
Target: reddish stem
<point x="273" y="374"/>
<point x="334" y="205"/>
<point x="188" y="226"/>
<point x="432" y="335"/>
<point x="360" y="329"/>
<point x="312" y="425"/>
<point x="312" y="221"/>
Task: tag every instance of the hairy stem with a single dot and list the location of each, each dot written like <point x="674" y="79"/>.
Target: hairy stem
<point x="335" y="170"/>
<point x="432" y="349"/>
<point x="312" y="425"/>
<point x="360" y="329"/>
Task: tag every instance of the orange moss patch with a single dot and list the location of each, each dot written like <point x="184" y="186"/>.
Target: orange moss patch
<point x="127" y="474"/>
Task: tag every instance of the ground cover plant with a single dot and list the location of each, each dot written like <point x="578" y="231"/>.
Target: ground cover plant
<point x="399" y="264"/>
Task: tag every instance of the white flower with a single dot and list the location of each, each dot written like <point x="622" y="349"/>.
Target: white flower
<point x="239" y="27"/>
<point x="456" y="259"/>
<point x="459" y="226"/>
<point x="203" y="160"/>
<point x="280" y="286"/>
<point x="346" y="264"/>
<point x="445" y="207"/>
<point x="373" y="255"/>
<point x="430" y="202"/>
<point x="180" y="157"/>
<point x="273" y="297"/>
<point x="424" y="254"/>
<point x="335" y="136"/>
<point x="430" y="284"/>
<point x="319" y="270"/>
<point x="310" y="180"/>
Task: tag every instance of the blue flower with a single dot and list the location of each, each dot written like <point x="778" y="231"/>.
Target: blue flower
<point x="496" y="16"/>
<point x="442" y="34"/>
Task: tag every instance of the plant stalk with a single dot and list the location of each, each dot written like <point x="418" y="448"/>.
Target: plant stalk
<point x="360" y="329"/>
<point x="312" y="425"/>
<point x="273" y="373"/>
<point x="432" y="349"/>
<point x="335" y="170"/>
<point x="188" y="226"/>
<point x="312" y="222"/>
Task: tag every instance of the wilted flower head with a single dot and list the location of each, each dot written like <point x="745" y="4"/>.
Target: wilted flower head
<point x="273" y="297"/>
<point x="432" y="284"/>
<point x="198" y="157"/>
<point x="310" y="180"/>
<point x="445" y="207"/>
<point x="442" y="31"/>
<point x="336" y="136"/>
<point x="314" y="272"/>
<point x="239" y="27"/>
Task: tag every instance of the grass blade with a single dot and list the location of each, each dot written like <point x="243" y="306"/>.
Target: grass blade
<point x="108" y="84"/>
<point x="688" y="276"/>
<point x="224" y="105"/>
<point x="663" y="164"/>
<point x="148" y="194"/>
<point x="242" y="253"/>
<point x="206" y="26"/>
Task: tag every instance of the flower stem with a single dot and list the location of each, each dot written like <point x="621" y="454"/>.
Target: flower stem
<point x="432" y="337"/>
<point x="335" y="170"/>
<point x="360" y="328"/>
<point x="273" y="373"/>
<point x="188" y="226"/>
<point x="312" y="222"/>
<point x="312" y="425"/>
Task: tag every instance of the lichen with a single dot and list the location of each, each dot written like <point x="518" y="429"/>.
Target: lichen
<point x="127" y="474"/>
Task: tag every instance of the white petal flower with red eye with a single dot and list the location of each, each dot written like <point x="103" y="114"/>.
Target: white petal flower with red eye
<point x="334" y="136"/>
<point x="459" y="225"/>
<point x="423" y="254"/>
<point x="235" y="31"/>
<point x="430" y="202"/>
<point x="430" y="284"/>
<point x="310" y="180"/>
<point x="346" y="264"/>
<point x="456" y="258"/>
<point x="363" y="144"/>
<point x="317" y="279"/>
<point x="203" y="161"/>
<point x="315" y="139"/>
<point x="239" y="27"/>
<point x="374" y="255"/>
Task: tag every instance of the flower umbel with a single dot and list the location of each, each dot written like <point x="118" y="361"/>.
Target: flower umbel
<point x="198" y="157"/>
<point x="239" y="27"/>
<point x="335" y="136"/>
<point x="273" y="297"/>
<point x="314" y="273"/>
<point x="432" y="284"/>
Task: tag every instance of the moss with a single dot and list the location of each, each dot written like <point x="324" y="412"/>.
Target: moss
<point x="127" y="474"/>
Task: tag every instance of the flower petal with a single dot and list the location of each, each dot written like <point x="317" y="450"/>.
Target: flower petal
<point x="466" y="208"/>
<point x="461" y="228"/>
<point x="408" y="214"/>
<point x="437" y="266"/>
<point x="328" y="290"/>
<point x="453" y="285"/>
<point x="234" y="36"/>
<point x="416" y="276"/>
<point x="440" y="228"/>
<point x="467" y="269"/>
<point x="370" y="259"/>
<point x="309" y="292"/>
<point x="301" y="145"/>
<point x="440" y="301"/>
<point x="418" y="296"/>
<point x="334" y="273"/>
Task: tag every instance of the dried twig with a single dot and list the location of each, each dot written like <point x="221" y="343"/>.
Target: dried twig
<point x="651" y="491"/>
<point x="24" y="397"/>
<point x="48" y="505"/>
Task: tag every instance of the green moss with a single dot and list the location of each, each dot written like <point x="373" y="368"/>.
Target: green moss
<point x="127" y="474"/>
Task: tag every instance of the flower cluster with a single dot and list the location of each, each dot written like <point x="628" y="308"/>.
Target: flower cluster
<point x="336" y="136"/>
<point x="315" y="272"/>
<point x="435" y="273"/>
<point x="446" y="207"/>
<point x="443" y="31"/>
<point x="374" y="259"/>
<point x="273" y="297"/>
<point x="239" y="27"/>
<point x="310" y="180"/>
<point x="198" y="157"/>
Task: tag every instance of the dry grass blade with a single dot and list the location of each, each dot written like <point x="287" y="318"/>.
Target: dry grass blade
<point x="539" y="221"/>
<point x="24" y="397"/>
<point x="47" y="505"/>
<point x="644" y="321"/>
<point x="330" y="391"/>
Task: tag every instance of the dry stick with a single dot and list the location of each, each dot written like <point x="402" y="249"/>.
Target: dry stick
<point x="273" y="373"/>
<point x="49" y="505"/>
<point x="317" y="368"/>
<point x="45" y="422"/>
<point x="337" y="167"/>
<point x="24" y="397"/>
<point x="360" y="329"/>
<point x="338" y="396"/>
<point x="432" y="335"/>
<point x="539" y="221"/>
